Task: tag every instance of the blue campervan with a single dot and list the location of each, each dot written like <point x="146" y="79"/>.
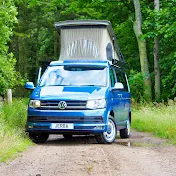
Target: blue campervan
<point x="86" y="91"/>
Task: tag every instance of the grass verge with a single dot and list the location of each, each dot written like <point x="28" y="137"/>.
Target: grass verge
<point x="159" y="120"/>
<point x="12" y="133"/>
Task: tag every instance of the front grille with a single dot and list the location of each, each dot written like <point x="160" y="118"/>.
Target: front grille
<point x="65" y="119"/>
<point x="71" y="105"/>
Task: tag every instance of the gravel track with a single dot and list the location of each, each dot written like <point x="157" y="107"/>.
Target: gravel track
<point x="141" y="155"/>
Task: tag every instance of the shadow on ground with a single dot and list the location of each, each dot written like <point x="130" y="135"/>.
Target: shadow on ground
<point x="137" y="139"/>
<point x="75" y="140"/>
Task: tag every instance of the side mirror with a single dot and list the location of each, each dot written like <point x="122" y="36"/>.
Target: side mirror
<point x="29" y="85"/>
<point x="118" y="86"/>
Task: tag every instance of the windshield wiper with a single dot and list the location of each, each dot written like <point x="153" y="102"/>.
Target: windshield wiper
<point x="89" y="85"/>
<point x="52" y="85"/>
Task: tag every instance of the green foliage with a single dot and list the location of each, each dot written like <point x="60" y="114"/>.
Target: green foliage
<point x="35" y="42"/>
<point x="12" y="122"/>
<point x="168" y="66"/>
<point x="15" y="115"/>
<point x="136" y="85"/>
<point x="36" y="34"/>
<point x="7" y="19"/>
<point x="126" y="36"/>
<point x="162" y="24"/>
<point x="8" y="75"/>
<point x="157" y="119"/>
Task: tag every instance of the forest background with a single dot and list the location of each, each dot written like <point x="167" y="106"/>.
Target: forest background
<point x="28" y="39"/>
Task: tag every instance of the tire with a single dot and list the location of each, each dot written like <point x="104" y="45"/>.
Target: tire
<point x="67" y="136"/>
<point x="38" y="138"/>
<point x="125" y="133"/>
<point x="108" y="136"/>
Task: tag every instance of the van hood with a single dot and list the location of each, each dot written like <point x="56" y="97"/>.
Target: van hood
<point x="69" y="93"/>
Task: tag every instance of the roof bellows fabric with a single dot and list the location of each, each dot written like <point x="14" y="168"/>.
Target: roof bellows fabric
<point x="88" y="40"/>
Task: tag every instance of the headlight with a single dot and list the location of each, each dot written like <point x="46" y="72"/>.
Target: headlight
<point x="34" y="103"/>
<point x="96" y="104"/>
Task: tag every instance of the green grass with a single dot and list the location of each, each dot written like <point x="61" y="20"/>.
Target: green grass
<point x="12" y="133"/>
<point x="157" y="119"/>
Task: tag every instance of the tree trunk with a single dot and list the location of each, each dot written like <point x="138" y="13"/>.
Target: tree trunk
<point x="22" y="63"/>
<point x="156" y="59"/>
<point x="9" y="96"/>
<point x="22" y="56"/>
<point x="137" y="26"/>
<point x="37" y="49"/>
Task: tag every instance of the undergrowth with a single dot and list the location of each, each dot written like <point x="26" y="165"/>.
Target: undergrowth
<point x="12" y="129"/>
<point x="158" y="119"/>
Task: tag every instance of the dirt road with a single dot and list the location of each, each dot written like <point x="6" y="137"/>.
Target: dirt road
<point x="141" y="155"/>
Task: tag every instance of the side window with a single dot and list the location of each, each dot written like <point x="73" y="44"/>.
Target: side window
<point x="112" y="77"/>
<point x="122" y="78"/>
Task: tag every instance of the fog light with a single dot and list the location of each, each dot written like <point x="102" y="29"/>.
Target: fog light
<point x="30" y="126"/>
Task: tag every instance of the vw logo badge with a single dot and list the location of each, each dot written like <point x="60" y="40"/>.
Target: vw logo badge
<point x="62" y="105"/>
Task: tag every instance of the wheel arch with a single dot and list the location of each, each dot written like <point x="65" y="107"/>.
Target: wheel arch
<point x="111" y="113"/>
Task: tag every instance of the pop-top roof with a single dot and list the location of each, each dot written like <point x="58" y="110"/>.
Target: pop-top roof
<point x="88" y="39"/>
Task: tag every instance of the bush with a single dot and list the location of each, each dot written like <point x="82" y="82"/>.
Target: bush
<point x="15" y="114"/>
<point x="136" y="85"/>
<point x="8" y="76"/>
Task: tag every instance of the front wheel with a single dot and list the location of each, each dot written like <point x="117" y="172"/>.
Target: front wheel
<point x="108" y="136"/>
<point x="38" y="138"/>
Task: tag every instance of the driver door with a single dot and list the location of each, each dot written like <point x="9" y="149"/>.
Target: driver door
<point x="116" y="98"/>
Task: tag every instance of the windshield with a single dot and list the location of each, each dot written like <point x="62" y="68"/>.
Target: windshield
<point x="75" y="76"/>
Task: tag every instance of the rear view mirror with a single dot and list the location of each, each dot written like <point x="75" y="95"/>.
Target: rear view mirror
<point x="118" y="86"/>
<point x="29" y="85"/>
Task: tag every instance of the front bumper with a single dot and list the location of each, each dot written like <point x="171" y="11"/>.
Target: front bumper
<point x="83" y="121"/>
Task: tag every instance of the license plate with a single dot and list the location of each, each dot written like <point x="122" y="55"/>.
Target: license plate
<point x="62" y="126"/>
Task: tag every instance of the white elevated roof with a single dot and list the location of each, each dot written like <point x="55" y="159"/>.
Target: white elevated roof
<point x="88" y="40"/>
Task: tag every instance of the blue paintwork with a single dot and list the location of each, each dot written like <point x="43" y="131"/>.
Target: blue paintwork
<point x="29" y="85"/>
<point x="117" y="101"/>
<point x="85" y="127"/>
<point x="70" y="93"/>
<point x="94" y="112"/>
